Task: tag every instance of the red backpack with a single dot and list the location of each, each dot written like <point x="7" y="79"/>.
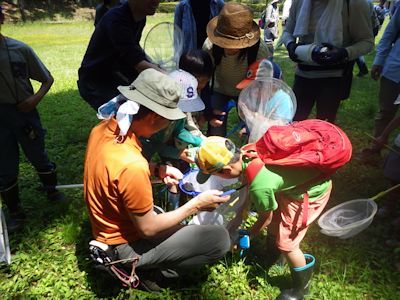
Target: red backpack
<point x="308" y="144"/>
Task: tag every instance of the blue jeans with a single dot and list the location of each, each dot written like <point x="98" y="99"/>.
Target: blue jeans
<point x="24" y="129"/>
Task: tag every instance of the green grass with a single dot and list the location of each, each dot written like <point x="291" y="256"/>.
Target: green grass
<point x="50" y="257"/>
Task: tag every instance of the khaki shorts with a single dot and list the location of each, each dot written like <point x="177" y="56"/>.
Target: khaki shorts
<point x="287" y="220"/>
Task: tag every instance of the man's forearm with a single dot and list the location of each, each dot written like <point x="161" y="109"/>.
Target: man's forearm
<point x="44" y="88"/>
<point x="143" y="65"/>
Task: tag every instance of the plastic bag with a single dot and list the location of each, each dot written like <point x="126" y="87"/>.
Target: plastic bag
<point x="5" y="255"/>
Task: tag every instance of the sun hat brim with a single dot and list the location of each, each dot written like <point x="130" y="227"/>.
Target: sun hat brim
<point x="191" y="105"/>
<point x="228" y="43"/>
<point x="137" y="96"/>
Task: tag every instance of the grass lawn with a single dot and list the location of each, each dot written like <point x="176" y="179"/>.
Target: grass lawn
<point x="50" y="257"/>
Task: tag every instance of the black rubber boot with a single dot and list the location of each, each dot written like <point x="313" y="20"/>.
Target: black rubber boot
<point x="49" y="181"/>
<point x="272" y="251"/>
<point x="10" y="196"/>
<point x="301" y="278"/>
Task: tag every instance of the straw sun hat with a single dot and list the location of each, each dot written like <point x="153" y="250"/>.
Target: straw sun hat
<point x="234" y="27"/>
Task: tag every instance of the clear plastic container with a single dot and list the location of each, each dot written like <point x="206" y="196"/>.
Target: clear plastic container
<point x="191" y="187"/>
<point x="224" y="212"/>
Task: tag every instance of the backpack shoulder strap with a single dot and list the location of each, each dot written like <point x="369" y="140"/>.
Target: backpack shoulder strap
<point x="253" y="168"/>
<point x="255" y="165"/>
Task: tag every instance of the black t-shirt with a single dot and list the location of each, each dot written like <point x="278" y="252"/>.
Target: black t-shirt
<point x="113" y="50"/>
<point x="101" y="10"/>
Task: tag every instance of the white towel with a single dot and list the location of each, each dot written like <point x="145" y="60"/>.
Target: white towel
<point x="329" y="26"/>
<point x="123" y="110"/>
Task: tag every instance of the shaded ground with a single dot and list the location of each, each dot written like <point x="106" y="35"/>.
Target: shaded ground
<point x="41" y="10"/>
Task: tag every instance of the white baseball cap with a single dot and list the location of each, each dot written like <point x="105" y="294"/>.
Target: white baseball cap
<point x="189" y="100"/>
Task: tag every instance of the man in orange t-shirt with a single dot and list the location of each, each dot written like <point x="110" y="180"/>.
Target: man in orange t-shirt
<point x="118" y="191"/>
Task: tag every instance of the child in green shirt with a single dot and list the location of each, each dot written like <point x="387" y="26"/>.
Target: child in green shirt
<point x="278" y="198"/>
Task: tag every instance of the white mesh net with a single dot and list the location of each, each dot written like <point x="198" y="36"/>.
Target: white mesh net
<point x="266" y="103"/>
<point x="348" y="219"/>
<point x="163" y="45"/>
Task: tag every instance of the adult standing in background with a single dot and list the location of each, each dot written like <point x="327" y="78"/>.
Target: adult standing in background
<point x="234" y="44"/>
<point x="114" y="56"/>
<point x="285" y="14"/>
<point x="324" y="38"/>
<point x="271" y="31"/>
<point x="381" y="11"/>
<point x="285" y="10"/>
<point x="192" y="17"/>
<point x="360" y="61"/>
<point x="386" y="66"/>
<point x="20" y="124"/>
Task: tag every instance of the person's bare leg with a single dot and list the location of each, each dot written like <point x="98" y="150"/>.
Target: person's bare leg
<point x="295" y="258"/>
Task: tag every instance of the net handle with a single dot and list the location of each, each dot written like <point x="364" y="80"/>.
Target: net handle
<point x="384" y="145"/>
<point x="383" y="193"/>
<point x="80" y="185"/>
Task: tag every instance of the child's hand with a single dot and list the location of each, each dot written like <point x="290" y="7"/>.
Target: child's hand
<point x="201" y="120"/>
<point x="218" y="120"/>
<point x="170" y="175"/>
<point x="186" y="155"/>
<point x="242" y="132"/>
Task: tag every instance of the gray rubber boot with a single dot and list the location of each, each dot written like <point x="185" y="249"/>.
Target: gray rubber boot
<point x="301" y="278"/>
